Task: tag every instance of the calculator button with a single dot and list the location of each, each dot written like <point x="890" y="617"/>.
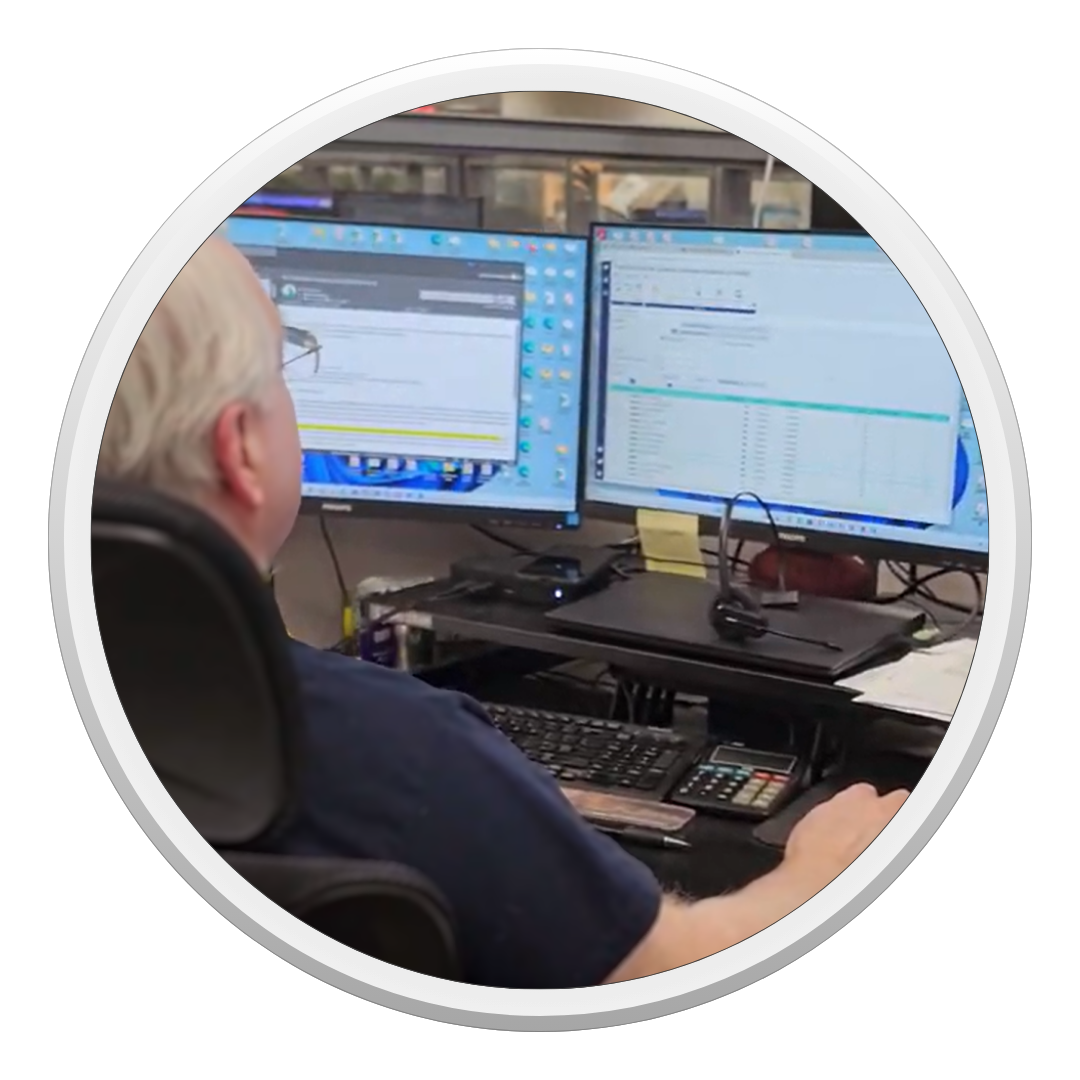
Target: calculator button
<point x="741" y="800"/>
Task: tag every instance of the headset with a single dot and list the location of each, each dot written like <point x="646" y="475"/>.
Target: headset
<point x="736" y="614"/>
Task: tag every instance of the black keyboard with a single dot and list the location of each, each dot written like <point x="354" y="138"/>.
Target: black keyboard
<point x="580" y="751"/>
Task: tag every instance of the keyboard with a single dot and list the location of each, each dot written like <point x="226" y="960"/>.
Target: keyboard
<point x="580" y="751"/>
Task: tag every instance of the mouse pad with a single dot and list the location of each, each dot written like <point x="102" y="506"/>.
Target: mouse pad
<point x="670" y="613"/>
<point x="885" y="771"/>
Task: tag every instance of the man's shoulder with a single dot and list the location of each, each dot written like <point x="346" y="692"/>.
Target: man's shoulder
<point x="331" y="680"/>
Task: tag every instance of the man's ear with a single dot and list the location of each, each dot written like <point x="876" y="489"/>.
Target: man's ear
<point x="236" y="455"/>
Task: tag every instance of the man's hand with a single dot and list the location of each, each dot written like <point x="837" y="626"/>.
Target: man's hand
<point x="825" y="842"/>
<point x="835" y="833"/>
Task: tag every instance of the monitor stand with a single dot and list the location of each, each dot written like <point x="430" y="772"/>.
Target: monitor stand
<point x="843" y="577"/>
<point x="669" y="613"/>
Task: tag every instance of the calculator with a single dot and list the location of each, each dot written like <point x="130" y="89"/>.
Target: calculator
<point x="735" y="781"/>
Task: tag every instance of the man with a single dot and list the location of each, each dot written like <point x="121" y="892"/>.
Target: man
<point x="397" y="770"/>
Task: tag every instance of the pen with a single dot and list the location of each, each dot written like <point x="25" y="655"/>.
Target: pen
<point x="644" y="837"/>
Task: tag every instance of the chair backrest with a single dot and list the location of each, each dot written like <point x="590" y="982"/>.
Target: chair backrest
<point x="200" y="660"/>
<point x="381" y="909"/>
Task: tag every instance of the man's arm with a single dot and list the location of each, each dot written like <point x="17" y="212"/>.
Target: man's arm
<point x="826" y="841"/>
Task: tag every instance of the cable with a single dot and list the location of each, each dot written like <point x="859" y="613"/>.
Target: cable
<point x="513" y="545"/>
<point x="725" y="563"/>
<point x="564" y="678"/>
<point x="348" y="617"/>
<point x="624" y="571"/>
<point x="344" y="647"/>
<point x="629" y="545"/>
<point x="462" y="590"/>
<point x="925" y="593"/>
<point x="342" y="587"/>
<point x="914" y="585"/>
<point x="974" y="613"/>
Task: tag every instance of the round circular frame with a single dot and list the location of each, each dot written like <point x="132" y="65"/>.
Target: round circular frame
<point x="539" y="70"/>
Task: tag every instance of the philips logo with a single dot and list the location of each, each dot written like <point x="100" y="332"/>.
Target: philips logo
<point x="337" y="508"/>
<point x="792" y="538"/>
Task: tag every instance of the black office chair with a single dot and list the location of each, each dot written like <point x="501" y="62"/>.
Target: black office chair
<point x="199" y="657"/>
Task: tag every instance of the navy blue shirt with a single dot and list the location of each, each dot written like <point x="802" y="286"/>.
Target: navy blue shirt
<point x="400" y="771"/>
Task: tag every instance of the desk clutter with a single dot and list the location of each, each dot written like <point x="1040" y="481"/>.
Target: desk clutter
<point x="927" y="682"/>
<point x="628" y="766"/>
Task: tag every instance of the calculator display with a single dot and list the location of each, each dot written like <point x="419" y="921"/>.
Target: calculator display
<point x="757" y="759"/>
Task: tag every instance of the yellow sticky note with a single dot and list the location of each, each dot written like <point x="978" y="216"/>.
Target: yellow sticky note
<point x="669" y="543"/>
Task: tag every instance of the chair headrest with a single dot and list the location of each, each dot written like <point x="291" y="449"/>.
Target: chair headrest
<point x="199" y="658"/>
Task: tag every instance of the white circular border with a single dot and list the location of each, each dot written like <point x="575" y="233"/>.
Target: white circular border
<point x="539" y="70"/>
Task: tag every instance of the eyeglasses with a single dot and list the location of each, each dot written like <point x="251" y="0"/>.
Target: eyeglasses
<point x="302" y="352"/>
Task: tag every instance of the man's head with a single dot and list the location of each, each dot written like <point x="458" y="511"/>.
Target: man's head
<point x="202" y="411"/>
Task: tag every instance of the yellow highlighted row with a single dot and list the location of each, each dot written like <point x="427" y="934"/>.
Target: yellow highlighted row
<point x="401" y="431"/>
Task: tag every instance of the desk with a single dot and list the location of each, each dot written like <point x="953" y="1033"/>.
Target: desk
<point x="889" y="750"/>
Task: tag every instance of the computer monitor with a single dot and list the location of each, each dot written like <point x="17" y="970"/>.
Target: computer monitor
<point x="289" y="204"/>
<point x="433" y="371"/>
<point x="670" y="214"/>
<point x="799" y="366"/>
<point x="432" y="211"/>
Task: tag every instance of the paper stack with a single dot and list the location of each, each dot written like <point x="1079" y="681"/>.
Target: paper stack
<point x="926" y="682"/>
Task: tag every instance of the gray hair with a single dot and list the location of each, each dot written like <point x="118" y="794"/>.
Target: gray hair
<point x="210" y="341"/>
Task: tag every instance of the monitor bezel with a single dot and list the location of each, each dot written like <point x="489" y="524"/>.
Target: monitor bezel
<point x="820" y="541"/>
<point x="493" y="516"/>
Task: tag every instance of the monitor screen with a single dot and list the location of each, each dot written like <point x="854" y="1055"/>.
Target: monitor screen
<point x="289" y="204"/>
<point x="430" y="369"/>
<point x="801" y="367"/>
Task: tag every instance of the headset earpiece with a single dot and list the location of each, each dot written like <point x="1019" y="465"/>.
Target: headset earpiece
<point x="736" y="616"/>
